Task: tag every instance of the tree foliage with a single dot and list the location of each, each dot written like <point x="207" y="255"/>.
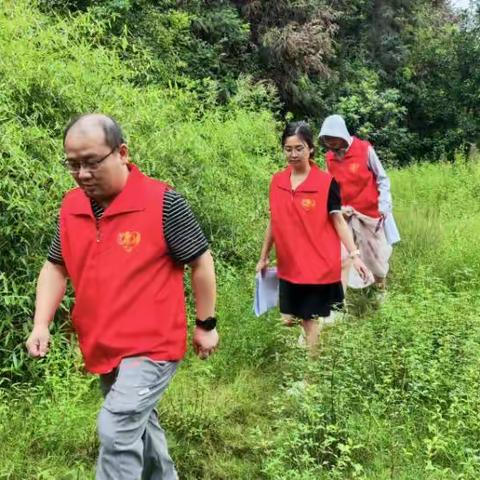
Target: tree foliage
<point x="404" y="74"/>
<point x="219" y="158"/>
<point x="411" y="67"/>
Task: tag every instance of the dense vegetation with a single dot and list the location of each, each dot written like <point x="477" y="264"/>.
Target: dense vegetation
<point x="394" y="393"/>
<point x="404" y="72"/>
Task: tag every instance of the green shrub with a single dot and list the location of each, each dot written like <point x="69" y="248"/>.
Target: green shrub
<point x="394" y="391"/>
<point x="220" y="159"/>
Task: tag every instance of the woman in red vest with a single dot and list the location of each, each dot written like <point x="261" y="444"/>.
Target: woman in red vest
<point x="306" y="226"/>
<point x="366" y="198"/>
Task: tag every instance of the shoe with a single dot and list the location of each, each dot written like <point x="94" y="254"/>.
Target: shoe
<point x="381" y="296"/>
<point x="330" y="320"/>
<point x="334" y="317"/>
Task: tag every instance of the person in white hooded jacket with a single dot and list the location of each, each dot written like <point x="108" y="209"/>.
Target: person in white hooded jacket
<point x="365" y="194"/>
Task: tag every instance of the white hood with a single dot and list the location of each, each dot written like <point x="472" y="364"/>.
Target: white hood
<point x="334" y="126"/>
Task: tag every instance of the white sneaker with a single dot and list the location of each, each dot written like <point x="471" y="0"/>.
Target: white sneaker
<point x="330" y="320"/>
<point x="334" y="317"/>
<point x="381" y="296"/>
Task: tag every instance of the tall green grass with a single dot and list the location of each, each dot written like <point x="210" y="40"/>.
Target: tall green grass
<point x="220" y="159"/>
<point x="393" y="394"/>
<point x="437" y="207"/>
<point x="394" y="391"/>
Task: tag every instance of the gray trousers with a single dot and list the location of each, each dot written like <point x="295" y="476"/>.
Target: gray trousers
<point x="132" y="443"/>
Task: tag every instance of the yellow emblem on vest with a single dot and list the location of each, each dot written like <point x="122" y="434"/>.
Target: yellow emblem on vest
<point x="308" y="204"/>
<point x="128" y="240"/>
<point x="353" y="167"/>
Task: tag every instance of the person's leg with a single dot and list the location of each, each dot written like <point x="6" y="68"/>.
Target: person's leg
<point x="158" y="464"/>
<point x="286" y="301"/>
<point x="381" y="287"/>
<point x="125" y="426"/>
<point x="155" y="451"/>
<point x="380" y="283"/>
<point x="377" y="256"/>
<point x="312" y="330"/>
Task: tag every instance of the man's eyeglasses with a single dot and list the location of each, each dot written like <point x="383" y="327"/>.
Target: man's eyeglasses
<point x="90" y="165"/>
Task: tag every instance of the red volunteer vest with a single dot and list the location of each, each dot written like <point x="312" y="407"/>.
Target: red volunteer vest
<point x="306" y="243"/>
<point x="358" y="186"/>
<point x="129" y="296"/>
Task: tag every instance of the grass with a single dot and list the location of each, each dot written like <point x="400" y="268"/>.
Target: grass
<point x="393" y="395"/>
<point x="49" y="432"/>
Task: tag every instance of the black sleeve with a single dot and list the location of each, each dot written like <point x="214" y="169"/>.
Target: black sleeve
<point x="183" y="234"/>
<point x="334" y="202"/>
<point x="55" y="251"/>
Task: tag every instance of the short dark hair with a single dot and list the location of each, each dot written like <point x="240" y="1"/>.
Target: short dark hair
<point x="302" y="130"/>
<point x="111" y="129"/>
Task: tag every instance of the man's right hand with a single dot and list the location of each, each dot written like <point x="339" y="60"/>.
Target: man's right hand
<point x="38" y="342"/>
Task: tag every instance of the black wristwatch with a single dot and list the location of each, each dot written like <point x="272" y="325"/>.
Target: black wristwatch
<point x="208" y="324"/>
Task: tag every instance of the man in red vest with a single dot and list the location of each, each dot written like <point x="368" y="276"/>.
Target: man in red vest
<point x="123" y="239"/>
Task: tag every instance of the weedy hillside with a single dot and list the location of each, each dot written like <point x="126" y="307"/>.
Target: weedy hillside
<point x="394" y="391"/>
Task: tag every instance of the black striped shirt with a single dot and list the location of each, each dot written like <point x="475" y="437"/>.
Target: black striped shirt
<point x="184" y="237"/>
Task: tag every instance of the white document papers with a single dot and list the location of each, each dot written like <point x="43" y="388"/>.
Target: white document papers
<point x="391" y="230"/>
<point x="266" y="291"/>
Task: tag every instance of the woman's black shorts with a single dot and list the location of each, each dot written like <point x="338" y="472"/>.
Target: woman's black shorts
<point x="306" y="301"/>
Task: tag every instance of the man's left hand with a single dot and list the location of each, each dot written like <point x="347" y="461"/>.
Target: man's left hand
<point x="205" y="342"/>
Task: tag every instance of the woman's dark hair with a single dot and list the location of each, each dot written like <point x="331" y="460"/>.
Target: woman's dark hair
<point x="111" y="129"/>
<point x="302" y="130"/>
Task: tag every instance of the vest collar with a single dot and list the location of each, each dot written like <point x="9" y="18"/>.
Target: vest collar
<point x="130" y="199"/>
<point x="311" y="184"/>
